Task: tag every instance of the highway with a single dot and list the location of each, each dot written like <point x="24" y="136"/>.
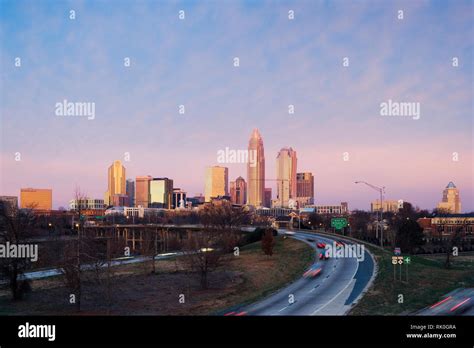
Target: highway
<point x="457" y="302"/>
<point x="332" y="292"/>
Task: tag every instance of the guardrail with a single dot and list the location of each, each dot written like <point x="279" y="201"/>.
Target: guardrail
<point x="343" y="238"/>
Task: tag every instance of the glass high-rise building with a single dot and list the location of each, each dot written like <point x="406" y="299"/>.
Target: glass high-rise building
<point x="256" y="171"/>
<point x="142" y="191"/>
<point x="116" y="182"/>
<point x="161" y="193"/>
<point x="130" y="189"/>
<point x="217" y="179"/>
<point x="286" y="176"/>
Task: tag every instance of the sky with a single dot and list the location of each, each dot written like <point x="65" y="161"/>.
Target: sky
<point x="190" y="62"/>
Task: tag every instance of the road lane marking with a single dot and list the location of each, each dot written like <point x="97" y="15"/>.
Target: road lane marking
<point x="283" y="308"/>
<point x="340" y="292"/>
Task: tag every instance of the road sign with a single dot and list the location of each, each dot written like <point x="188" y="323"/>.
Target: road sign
<point x="338" y="223"/>
<point x="407" y="259"/>
<point x="397" y="260"/>
<point x="397" y="251"/>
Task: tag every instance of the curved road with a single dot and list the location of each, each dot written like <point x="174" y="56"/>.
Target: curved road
<point x="340" y="283"/>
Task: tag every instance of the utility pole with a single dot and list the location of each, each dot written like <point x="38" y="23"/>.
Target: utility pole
<point x="381" y="190"/>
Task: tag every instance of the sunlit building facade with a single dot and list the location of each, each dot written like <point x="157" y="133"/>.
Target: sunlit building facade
<point x="286" y="176"/>
<point x="161" y="193"/>
<point x="217" y="179"/>
<point x="142" y="191"/>
<point x="387" y="205"/>
<point x="451" y="202"/>
<point x="256" y="171"/>
<point x="36" y="199"/>
<point x="116" y="182"/>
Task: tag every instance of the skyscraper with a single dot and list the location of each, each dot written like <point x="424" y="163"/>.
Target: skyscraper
<point x="451" y="202"/>
<point x="161" y="193"/>
<point x="305" y="188"/>
<point x="256" y="171"/>
<point x="286" y="176"/>
<point x="131" y="192"/>
<point x="217" y="179"/>
<point x="142" y="191"/>
<point x="238" y="191"/>
<point x="116" y="182"/>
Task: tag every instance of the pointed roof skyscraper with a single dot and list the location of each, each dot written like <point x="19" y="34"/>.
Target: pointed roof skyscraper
<point x="256" y="170"/>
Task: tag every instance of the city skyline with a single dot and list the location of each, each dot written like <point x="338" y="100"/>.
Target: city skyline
<point x="227" y="187"/>
<point x="300" y="63"/>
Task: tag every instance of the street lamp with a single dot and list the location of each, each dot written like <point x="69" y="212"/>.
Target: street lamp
<point x="381" y="190"/>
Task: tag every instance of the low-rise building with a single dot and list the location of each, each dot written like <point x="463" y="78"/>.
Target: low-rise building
<point x="444" y="225"/>
<point x="387" y="205"/>
<point x="341" y="209"/>
<point x="86" y="203"/>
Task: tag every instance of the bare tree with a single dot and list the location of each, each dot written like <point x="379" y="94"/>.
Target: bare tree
<point x="74" y="253"/>
<point x="15" y="227"/>
<point x="224" y="216"/>
<point x="268" y="242"/>
<point x="205" y="250"/>
<point x="201" y="255"/>
<point x="149" y="248"/>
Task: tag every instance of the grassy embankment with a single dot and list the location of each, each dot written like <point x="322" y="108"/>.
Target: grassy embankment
<point x="134" y="291"/>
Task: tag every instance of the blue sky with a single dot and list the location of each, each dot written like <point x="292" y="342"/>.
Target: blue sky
<point x="282" y="62"/>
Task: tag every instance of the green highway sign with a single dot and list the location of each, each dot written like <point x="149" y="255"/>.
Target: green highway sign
<point x="338" y="223"/>
<point x="407" y="259"/>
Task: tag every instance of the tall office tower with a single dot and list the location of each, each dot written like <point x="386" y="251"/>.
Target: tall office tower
<point x="217" y="179"/>
<point x="161" y="193"/>
<point x="36" y="199"/>
<point x="256" y="171"/>
<point x="131" y="192"/>
<point x="238" y="191"/>
<point x="116" y="182"/>
<point x="305" y="188"/>
<point x="286" y="176"/>
<point x="451" y="201"/>
<point x="268" y="197"/>
<point x="142" y="191"/>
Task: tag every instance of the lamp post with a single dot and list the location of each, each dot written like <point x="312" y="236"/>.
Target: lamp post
<point x="381" y="191"/>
